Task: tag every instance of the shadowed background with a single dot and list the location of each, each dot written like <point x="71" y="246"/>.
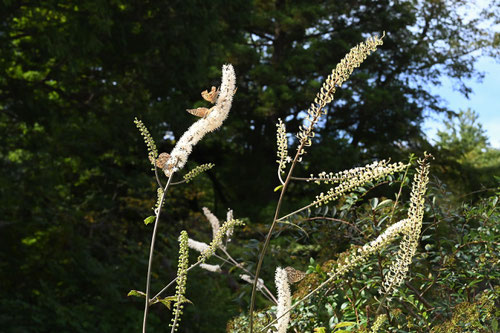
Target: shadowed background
<point x="75" y="182"/>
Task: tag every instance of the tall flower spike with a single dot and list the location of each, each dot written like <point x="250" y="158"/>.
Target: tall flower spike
<point x="184" y="147"/>
<point x="408" y="246"/>
<point x="197" y="171"/>
<point x="282" y="143"/>
<point x="284" y="300"/>
<point x="338" y="76"/>
<point x="148" y="139"/>
<point x="214" y="221"/>
<point x="181" y="279"/>
<point x="356" y="177"/>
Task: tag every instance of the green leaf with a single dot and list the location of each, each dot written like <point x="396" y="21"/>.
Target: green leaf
<point x="167" y="300"/>
<point x="344" y="324"/>
<point x="494" y="325"/>
<point x="277" y="188"/>
<point x="384" y="203"/>
<point x="149" y="219"/>
<point x="136" y="293"/>
<point x="374" y="202"/>
<point x="320" y="330"/>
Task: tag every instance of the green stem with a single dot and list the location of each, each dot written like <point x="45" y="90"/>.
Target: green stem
<point x="151" y="250"/>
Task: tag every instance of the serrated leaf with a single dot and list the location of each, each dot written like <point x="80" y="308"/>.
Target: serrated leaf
<point x="149" y="219"/>
<point x="136" y="293"/>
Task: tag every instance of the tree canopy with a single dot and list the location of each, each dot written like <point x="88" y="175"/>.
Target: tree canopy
<point x="75" y="182"/>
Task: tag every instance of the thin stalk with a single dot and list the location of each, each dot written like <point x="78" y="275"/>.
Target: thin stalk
<point x="172" y="282"/>
<point x="295" y="212"/>
<point x="179" y="182"/>
<point x="157" y="177"/>
<point x="399" y="193"/>
<point x="269" y="234"/>
<point x="151" y="250"/>
<point x="303" y="142"/>
<point x="237" y="264"/>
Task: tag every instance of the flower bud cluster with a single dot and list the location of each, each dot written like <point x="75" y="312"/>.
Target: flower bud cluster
<point x="351" y="179"/>
<point x="284" y="300"/>
<point x="181" y="278"/>
<point x="282" y="143"/>
<point x="217" y="240"/>
<point x="196" y="171"/>
<point x="378" y="323"/>
<point x="332" y="178"/>
<point x="408" y="246"/>
<point x="338" y="76"/>
<point x="159" y="195"/>
<point x="148" y="139"/>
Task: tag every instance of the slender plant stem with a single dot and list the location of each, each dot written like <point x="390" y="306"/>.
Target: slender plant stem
<point x="270" y="295"/>
<point x="179" y="182"/>
<point x="172" y="282"/>
<point x="151" y="250"/>
<point x="269" y="234"/>
<point x="399" y="192"/>
<point x="157" y="177"/>
<point x="297" y="211"/>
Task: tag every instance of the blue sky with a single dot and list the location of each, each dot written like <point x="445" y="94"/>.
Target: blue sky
<point x="485" y="100"/>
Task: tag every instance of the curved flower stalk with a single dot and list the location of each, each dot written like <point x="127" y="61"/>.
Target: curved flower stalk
<point x="338" y="76"/>
<point x="408" y="245"/>
<point x="181" y="151"/>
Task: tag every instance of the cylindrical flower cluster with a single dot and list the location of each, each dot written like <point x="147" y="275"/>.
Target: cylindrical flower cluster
<point x="196" y="171"/>
<point x="356" y="177"/>
<point x="183" y="148"/>
<point x="217" y="241"/>
<point x="338" y="76"/>
<point x="408" y="246"/>
<point x="282" y="143"/>
<point x="284" y="300"/>
<point x="213" y="220"/>
<point x="181" y="279"/>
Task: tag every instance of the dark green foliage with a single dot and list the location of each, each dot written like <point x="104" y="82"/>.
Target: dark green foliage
<point x="453" y="284"/>
<point x="74" y="181"/>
